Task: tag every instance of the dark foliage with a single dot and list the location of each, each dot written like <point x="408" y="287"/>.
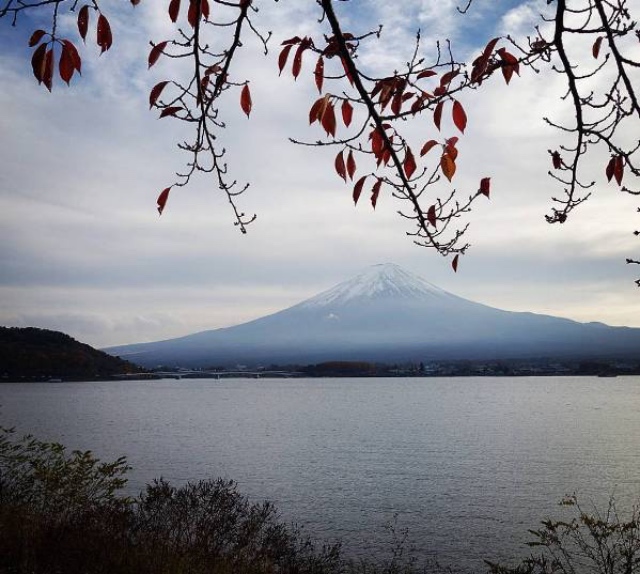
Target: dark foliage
<point x="40" y="354"/>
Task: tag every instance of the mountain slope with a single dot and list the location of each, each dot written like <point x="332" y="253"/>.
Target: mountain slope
<point x="387" y="314"/>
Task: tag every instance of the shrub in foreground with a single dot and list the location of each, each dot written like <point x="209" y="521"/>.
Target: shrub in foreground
<point x="65" y="513"/>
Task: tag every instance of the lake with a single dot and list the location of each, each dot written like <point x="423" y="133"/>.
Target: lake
<point x="466" y="465"/>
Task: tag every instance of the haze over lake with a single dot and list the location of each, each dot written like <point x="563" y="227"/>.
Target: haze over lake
<point x="466" y="464"/>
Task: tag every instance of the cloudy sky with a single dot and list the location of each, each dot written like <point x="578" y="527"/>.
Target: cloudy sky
<point x="83" y="250"/>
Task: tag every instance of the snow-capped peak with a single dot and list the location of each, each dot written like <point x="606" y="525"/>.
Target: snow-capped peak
<point x="378" y="281"/>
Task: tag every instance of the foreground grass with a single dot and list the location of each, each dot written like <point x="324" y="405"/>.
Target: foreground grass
<point x="64" y="513"/>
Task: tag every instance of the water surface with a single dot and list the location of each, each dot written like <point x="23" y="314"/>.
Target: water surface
<point x="467" y="465"/>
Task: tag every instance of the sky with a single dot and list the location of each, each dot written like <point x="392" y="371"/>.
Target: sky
<point x="83" y="250"/>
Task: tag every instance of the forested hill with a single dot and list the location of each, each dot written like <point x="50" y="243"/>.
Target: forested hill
<point x="30" y="354"/>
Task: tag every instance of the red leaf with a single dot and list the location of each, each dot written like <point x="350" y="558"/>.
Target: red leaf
<point x="611" y="167"/>
<point x="282" y="58"/>
<point x="47" y="77"/>
<point x="357" y="189"/>
<point x="83" y="21"/>
<point x="595" y="50"/>
<point x="291" y="41"/>
<point x="36" y="37"/>
<point x="347" y="73"/>
<point x="204" y="9"/>
<point x="319" y="73"/>
<point x="297" y="60"/>
<point x="510" y="64"/>
<point x="485" y="185"/>
<point x="170" y="111"/>
<point x="162" y="199"/>
<point x="347" y="112"/>
<point x="105" y="39"/>
<point x="155" y="52"/>
<point x="427" y="147"/>
<point x="328" y="120"/>
<point x="556" y="160"/>
<point x="340" y="168"/>
<point x="426" y="74"/>
<point x="459" y="116"/>
<point x="618" y="170"/>
<point x="174" y="10"/>
<point x="135" y="2"/>
<point x="73" y="53"/>
<point x="454" y="263"/>
<point x="409" y="163"/>
<point x="193" y="15"/>
<point x="375" y="191"/>
<point x="351" y="165"/>
<point x="155" y="93"/>
<point x="66" y="66"/>
<point x="317" y="109"/>
<point x="245" y="100"/>
<point x="437" y="114"/>
<point x="431" y="215"/>
<point x="448" y="165"/>
<point x="446" y="78"/>
<point x="38" y="61"/>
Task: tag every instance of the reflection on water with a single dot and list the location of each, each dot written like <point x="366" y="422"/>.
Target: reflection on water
<point x="467" y="465"/>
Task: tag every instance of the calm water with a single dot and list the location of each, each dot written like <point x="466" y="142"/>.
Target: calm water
<point x="466" y="465"/>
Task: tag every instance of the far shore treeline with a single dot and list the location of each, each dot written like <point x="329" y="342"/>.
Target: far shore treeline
<point x="35" y="355"/>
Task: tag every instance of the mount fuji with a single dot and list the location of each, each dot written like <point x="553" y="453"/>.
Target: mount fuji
<point x="387" y="314"/>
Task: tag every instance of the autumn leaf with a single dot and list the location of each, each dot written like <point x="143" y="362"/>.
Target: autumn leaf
<point x="104" y="37"/>
<point x="459" y="116"/>
<point x="319" y="73"/>
<point x="409" y="164"/>
<point x="297" y="60"/>
<point x="375" y="192"/>
<point x="36" y="37"/>
<point x="38" y="62"/>
<point x="446" y="78"/>
<point x="69" y="61"/>
<point x="610" y="168"/>
<point x="174" y="10"/>
<point x="351" y="165"/>
<point x="47" y="78"/>
<point x="357" y="189"/>
<point x="347" y="112"/>
<point x="618" y="170"/>
<point x="193" y="15"/>
<point x="282" y="58"/>
<point x="340" y="167"/>
<point x="245" y="100"/>
<point x="328" y="119"/>
<point x="454" y="263"/>
<point x="162" y="199"/>
<point x="431" y="215"/>
<point x="427" y="147"/>
<point x="170" y="111"/>
<point x="510" y="64"/>
<point x="83" y="21"/>
<point x="155" y="92"/>
<point x="437" y="114"/>
<point x="426" y="74"/>
<point x="595" y="50"/>
<point x="204" y="9"/>
<point x="155" y="53"/>
<point x="556" y="160"/>
<point x="448" y="166"/>
<point x="485" y="184"/>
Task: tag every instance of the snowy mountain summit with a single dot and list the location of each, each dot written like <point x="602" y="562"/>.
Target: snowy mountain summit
<point x="385" y="280"/>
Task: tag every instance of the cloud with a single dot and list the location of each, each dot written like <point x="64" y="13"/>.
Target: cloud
<point x="83" y="249"/>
